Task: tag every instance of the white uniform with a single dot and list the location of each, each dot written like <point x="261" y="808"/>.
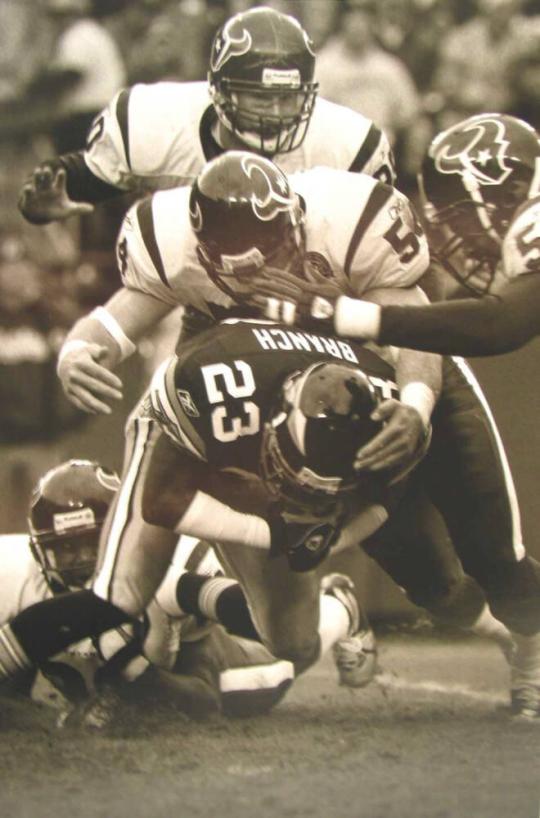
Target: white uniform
<point x="157" y="136"/>
<point x="22" y="582"/>
<point x="521" y="245"/>
<point x="248" y="676"/>
<point x="364" y="233"/>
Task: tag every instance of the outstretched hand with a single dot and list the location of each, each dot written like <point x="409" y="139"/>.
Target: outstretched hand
<point x="44" y="197"/>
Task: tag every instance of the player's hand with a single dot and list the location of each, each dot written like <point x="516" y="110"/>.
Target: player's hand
<point x="283" y="296"/>
<point x="44" y="197"/>
<point x="86" y="382"/>
<point x="273" y="282"/>
<point x="397" y="445"/>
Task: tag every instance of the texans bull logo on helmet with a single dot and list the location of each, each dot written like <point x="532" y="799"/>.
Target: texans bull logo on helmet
<point x="273" y="195"/>
<point x="481" y="150"/>
<point x="227" y="46"/>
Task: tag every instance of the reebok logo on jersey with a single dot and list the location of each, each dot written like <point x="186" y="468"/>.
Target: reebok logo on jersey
<point x="187" y="403"/>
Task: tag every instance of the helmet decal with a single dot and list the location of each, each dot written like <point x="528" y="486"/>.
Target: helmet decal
<point x="277" y="198"/>
<point x="195" y="216"/>
<point x="77" y="518"/>
<point x="227" y="46"/>
<point x="472" y="159"/>
<point x="107" y="479"/>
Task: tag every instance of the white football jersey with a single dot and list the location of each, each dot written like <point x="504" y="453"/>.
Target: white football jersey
<point x="360" y="232"/>
<point x="21" y="580"/>
<point x="521" y="245"/>
<point x="153" y="137"/>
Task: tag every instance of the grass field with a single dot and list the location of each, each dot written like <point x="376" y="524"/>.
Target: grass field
<point x="430" y="740"/>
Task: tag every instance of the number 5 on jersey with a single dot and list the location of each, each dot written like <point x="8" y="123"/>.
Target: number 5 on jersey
<point x="224" y="381"/>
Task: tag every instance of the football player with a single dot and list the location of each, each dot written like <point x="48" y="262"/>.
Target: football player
<point x="59" y="555"/>
<point x="480" y="181"/>
<point x="466" y="471"/>
<point x="271" y="533"/>
<point x="261" y="95"/>
<point x="474" y="491"/>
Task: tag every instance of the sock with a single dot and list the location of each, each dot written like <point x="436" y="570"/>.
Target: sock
<point x="334" y="622"/>
<point x="44" y="629"/>
<point x="219" y="599"/>
<point x="487" y="626"/>
<point x="526" y="664"/>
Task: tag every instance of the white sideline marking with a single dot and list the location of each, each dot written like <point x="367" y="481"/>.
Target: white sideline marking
<point x="387" y="680"/>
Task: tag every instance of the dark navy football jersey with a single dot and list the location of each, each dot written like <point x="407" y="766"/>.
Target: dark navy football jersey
<point x="214" y="398"/>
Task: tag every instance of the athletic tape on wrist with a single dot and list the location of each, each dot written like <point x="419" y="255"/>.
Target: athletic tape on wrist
<point x="420" y="397"/>
<point x="71" y="346"/>
<point x="109" y="322"/>
<point x="357" y="319"/>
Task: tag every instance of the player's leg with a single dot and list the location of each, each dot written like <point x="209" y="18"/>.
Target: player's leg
<point x="245" y="676"/>
<point x="470" y="482"/>
<point x="414" y="548"/>
<point x="134" y="556"/>
<point x="293" y="620"/>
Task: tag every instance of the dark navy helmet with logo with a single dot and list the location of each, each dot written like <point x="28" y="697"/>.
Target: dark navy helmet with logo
<point x="261" y="79"/>
<point x="322" y="418"/>
<point x="67" y="511"/>
<point x="244" y="214"/>
<point x="474" y="177"/>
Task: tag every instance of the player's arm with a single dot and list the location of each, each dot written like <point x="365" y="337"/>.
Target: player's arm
<point x="71" y="184"/>
<point x="182" y="493"/>
<point x="99" y="341"/>
<point x="407" y="421"/>
<point x="472" y="327"/>
<point x="375" y="157"/>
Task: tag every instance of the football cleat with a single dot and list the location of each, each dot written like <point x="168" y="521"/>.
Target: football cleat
<point x="98" y="712"/>
<point x="355" y="655"/>
<point x="103" y="709"/>
<point x="525" y="702"/>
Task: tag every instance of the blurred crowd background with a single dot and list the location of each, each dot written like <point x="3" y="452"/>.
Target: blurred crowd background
<point x="413" y="66"/>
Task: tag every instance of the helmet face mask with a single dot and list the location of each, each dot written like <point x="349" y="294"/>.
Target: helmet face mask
<point x="310" y="442"/>
<point x="261" y="80"/>
<point x="474" y="177"/>
<point x="247" y="221"/>
<point x="68" y="562"/>
<point x="67" y="511"/>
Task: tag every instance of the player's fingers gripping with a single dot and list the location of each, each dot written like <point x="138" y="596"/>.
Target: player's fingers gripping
<point x="80" y="372"/>
<point x="276" y="283"/>
<point x="398" y="441"/>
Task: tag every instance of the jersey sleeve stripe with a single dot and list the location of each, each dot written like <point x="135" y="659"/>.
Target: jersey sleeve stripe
<point x="145" y="218"/>
<point x="377" y="199"/>
<point x="122" y="117"/>
<point x="367" y="149"/>
<point x="186" y="431"/>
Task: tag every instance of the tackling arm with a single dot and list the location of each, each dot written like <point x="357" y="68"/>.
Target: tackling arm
<point x="472" y="327"/>
<point x="99" y="341"/>
<point x="407" y="421"/>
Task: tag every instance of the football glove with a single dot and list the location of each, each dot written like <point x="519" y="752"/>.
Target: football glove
<point x="304" y="544"/>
